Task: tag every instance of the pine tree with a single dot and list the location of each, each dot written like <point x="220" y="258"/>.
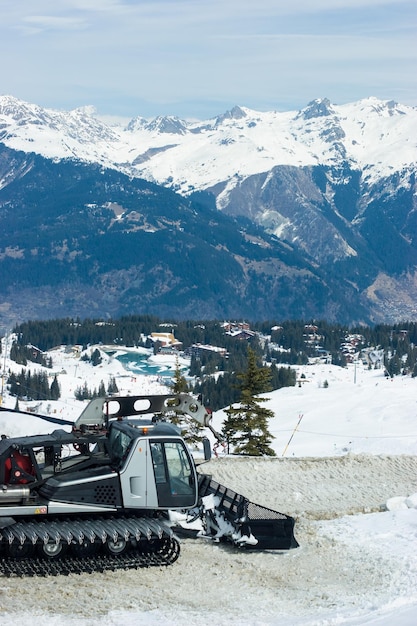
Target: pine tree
<point x="55" y="392"/>
<point x="82" y="393"/>
<point x="43" y="392"/>
<point x="246" y="426"/>
<point x="180" y="384"/>
<point x="96" y="358"/>
<point x="112" y="387"/>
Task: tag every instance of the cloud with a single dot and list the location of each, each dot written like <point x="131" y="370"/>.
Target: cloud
<point x="39" y="23"/>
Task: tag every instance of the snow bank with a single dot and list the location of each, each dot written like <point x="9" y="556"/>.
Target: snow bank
<point x="322" y="487"/>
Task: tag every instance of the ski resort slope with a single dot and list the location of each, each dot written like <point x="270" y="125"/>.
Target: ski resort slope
<point x="347" y="471"/>
<point x="334" y="410"/>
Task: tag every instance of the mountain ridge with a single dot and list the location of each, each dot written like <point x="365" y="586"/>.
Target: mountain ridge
<point x="333" y="183"/>
<point x="306" y="137"/>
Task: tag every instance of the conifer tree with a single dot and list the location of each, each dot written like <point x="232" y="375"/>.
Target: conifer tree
<point x="246" y="426"/>
<point x="55" y="390"/>
<point x="82" y="393"/>
<point x="180" y="384"/>
<point x="96" y="358"/>
<point x="112" y="387"/>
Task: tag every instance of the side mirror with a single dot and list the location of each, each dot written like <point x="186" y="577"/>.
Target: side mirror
<point x="207" y="449"/>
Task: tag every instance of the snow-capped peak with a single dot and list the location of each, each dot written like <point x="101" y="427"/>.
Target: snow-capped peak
<point x="379" y="136"/>
<point x="88" y="110"/>
<point x="320" y="107"/>
<point x="167" y="124"/>
<point x="236" y="113"/>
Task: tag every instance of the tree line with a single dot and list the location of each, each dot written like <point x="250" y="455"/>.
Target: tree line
<point x="33" y="386"/>
<point x="131" y="331"/>
<point x="222" y="390"/>
<point x="274" y="342"/>
<point x="84" y="392"/>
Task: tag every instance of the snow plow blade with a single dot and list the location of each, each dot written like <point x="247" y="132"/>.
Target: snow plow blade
<point x="233" y="517"/>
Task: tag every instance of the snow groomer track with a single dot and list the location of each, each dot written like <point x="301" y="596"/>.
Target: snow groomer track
<point x="78" y="546"/>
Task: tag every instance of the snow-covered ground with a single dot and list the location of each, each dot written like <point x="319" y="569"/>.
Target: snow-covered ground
<point x="346" y="468"/>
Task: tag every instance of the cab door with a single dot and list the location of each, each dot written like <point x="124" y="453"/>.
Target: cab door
<point x="136" y="477"/>
<point x="174" y="474"/>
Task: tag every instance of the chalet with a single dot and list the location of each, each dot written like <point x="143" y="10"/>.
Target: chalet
<point x="167" y="341"/>
<point x="242" y="334"/>
<point x="231" y="327"/>
<point x="238" y="330"/>
<point x="311" y="335"/>
<point x="197" y="349"/>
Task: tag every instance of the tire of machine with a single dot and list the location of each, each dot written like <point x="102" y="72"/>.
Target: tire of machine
<point x="116" y="547"/>
<point x="52" y="550"/>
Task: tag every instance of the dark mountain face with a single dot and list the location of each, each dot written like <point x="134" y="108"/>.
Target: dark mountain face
<point x="79" y="240"/>
<point x="356" y="231"/>
<point x="333" y="216"/>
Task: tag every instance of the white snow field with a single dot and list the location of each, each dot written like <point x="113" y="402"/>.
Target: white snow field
<point x="348" y="476"/>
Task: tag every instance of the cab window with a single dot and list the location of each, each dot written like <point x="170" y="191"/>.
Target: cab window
<point x="119" y="444"/>
<point x="179" y="469"/>
<point x="172" y="466"/>
<point x="158" y="462"/>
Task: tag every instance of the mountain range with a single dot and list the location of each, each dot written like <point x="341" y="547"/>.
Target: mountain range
<point x="302" y="214"/>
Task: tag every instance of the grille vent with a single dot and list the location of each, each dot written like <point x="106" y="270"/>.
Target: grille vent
<point x="105" y="494"/>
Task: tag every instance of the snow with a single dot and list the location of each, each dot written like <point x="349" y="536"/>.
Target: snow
<point x="374" y="135"/>
<point x="339" y="421"/>
<point x="348" y="476"/>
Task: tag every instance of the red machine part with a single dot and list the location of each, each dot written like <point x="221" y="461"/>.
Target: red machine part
<point x="19" y="469"/>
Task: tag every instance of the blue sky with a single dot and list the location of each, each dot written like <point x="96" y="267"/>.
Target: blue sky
<point x="198" y="58"/>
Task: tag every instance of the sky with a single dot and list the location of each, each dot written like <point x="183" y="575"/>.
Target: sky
<point x="197" y="59"/>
